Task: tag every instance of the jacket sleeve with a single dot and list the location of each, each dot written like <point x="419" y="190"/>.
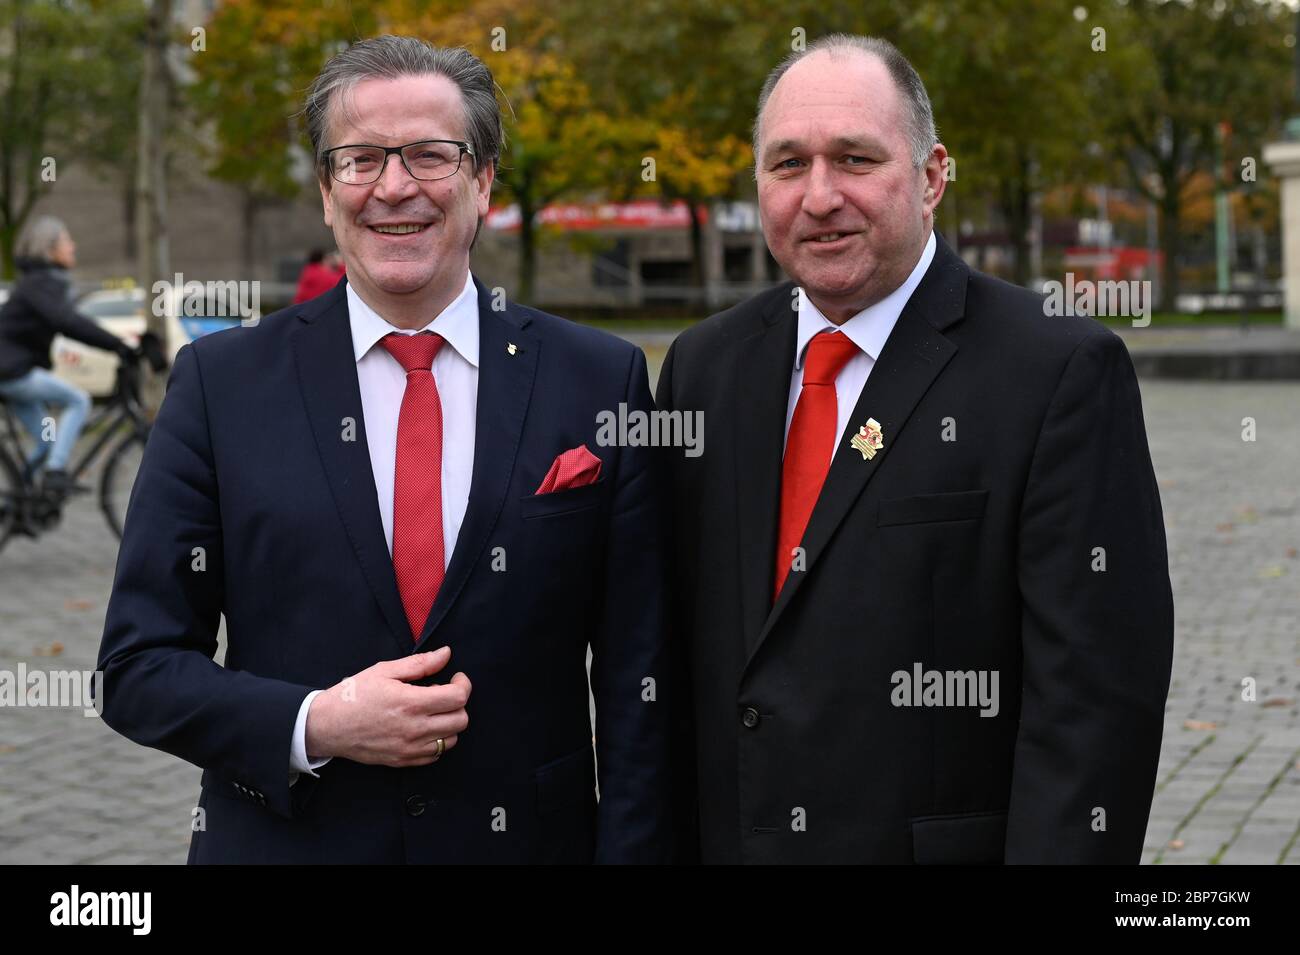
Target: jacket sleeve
<point x="1097" y="627"/>
<point x="633" y="691"/>
<point x="161" y="686"/>
<point x="49" y="299"/>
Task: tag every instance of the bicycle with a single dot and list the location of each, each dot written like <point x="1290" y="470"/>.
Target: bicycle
<point x="26" y="508"/>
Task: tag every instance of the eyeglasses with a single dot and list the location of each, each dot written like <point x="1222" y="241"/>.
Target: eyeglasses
<point x="427" y="160"/>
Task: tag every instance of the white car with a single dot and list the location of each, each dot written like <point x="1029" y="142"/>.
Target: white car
<point x="122" y="312"/>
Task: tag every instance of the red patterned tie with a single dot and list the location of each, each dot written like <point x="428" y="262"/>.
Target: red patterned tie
<point x="810" y="444"/>
<point x="417" y="482"/>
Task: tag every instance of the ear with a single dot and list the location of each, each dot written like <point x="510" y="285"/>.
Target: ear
<point x="325" y="192"/>
<point x="483" y="180"/>
<point x="936" y="179"/>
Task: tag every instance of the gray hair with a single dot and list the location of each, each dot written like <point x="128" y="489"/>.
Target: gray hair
<point x="39" y="237"/>
<point x="390" y="57"/>
<point x="921" y="134"/>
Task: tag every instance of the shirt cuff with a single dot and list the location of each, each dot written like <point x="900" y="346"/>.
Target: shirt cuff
<point x="298" y="761"/>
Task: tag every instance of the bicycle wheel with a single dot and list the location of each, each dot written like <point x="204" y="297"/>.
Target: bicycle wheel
<point x="118" y="479"/>
<point x="11" y="500"/>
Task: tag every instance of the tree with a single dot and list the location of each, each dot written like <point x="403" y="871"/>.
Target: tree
<point x="58" y="106"/>
<point x="1008" y="85"/>
<point x="559" y="143"/>
<point x="248" y="87"/>
<point x="681" y="81"/>
<point x="1187" y="67"/>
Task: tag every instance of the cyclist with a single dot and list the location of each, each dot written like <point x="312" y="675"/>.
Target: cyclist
<point x="40" y="305"/>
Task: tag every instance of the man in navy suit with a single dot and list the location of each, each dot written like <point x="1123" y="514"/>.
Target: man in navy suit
<point x="401" y="472"/>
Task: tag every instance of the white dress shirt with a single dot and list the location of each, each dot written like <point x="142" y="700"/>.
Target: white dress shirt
<point x="869" y="329"/>
<point x="382" y="381"/>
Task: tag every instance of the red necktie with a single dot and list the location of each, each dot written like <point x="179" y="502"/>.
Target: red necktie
<point x="810" y="444"/>
<point x="417" y="482"/>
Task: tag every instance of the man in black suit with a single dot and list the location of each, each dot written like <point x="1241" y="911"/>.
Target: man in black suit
<point x="921" y="567"/>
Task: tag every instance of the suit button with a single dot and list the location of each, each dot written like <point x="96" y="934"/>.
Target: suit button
<point x="749" y="717"/>
<point x="415" y="805"/>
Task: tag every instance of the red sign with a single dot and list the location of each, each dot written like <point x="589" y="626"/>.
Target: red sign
<point x="581" y="217"/>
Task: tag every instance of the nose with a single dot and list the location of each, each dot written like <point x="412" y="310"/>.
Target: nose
<point x="395" y="183"/>
<point x="822" y="195"/>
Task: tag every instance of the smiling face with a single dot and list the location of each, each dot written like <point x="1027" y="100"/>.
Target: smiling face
<point x="844" y="210"/>
<point x="405" y="241"/>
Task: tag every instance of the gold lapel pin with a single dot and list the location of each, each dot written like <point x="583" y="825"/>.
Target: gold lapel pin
<point x="869" y="439"/>
<point x="511" y="348"/>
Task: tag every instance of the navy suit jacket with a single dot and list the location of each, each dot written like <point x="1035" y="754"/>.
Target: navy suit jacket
<point x="252" y="502"/>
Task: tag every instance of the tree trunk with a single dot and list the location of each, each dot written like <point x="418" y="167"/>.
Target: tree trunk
<point x="131" y="247"/>
<point x="527" y="250"/>
<point x="1015" y="199"/>
<point x="248" y="234"/>
<point x="153" y="263"/>
<point x="697" y="244"/>
<point x="1171" y="241"/>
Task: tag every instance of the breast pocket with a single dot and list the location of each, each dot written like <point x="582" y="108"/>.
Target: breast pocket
<point x="560" y="503"/>
<point x="560" y="539"/>
<point x="933" y="508"/>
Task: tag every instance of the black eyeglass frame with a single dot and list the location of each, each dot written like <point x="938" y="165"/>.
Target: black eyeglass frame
<point x="466" y="149"/>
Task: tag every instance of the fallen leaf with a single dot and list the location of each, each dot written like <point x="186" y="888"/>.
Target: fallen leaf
<point x="1176" y="844"/>
<point x="73" y="603"/>
<point x="1291" y="552"/>
<point x="1278" y="701"/>
<point x="1199" y="725"/>
<point x="1224" y="527"/>
<point x="53" y="650"/>
<point x="1274" y="570"/>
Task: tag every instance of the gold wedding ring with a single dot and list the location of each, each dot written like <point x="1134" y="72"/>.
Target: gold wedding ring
<point x="442" y="748"/>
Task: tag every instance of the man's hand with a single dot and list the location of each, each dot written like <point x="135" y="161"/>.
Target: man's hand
<point x="378" y="717"/>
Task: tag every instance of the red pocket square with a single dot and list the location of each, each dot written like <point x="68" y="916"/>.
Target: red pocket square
<point x="577" y="467"/>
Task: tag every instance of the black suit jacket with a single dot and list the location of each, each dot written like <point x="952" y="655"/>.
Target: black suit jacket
<point x="40" y="307"/>
<point x="259" y="458"/>
<point x="974" y="555"/>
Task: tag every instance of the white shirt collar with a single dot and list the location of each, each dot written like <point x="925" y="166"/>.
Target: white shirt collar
<point x="457" y="323"/>
<point x="870" y="327"/>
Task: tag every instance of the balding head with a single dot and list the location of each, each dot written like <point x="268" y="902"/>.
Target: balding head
<point x="841" y="48"/>
<point x="848" y="171"/>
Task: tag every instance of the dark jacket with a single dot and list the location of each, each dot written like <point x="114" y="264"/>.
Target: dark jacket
<point x="307" y="587"/>
<point x="970" y="552"/>
<point x="39" y="306"/>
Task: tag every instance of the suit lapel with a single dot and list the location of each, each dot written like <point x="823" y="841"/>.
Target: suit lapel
<point x="913" y="356"/>
<point x="327" y="377"/>
<point x="766" y="359"/>
<point x="505" y="385"/>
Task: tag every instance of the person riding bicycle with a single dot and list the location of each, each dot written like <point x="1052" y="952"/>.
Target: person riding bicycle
<point x="39" y="306"/>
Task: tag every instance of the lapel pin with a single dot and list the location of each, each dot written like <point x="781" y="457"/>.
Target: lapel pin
<point x="511" y="348"/>
<point x="869" y="439"/>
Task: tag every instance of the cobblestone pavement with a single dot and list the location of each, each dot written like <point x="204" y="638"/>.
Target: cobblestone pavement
<point x="71" y="790"/>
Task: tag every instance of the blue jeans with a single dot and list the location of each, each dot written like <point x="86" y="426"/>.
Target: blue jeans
<point x="28" y="394"/>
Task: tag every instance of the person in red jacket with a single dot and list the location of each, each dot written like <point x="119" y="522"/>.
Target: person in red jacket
<point x="321" y="273"/>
